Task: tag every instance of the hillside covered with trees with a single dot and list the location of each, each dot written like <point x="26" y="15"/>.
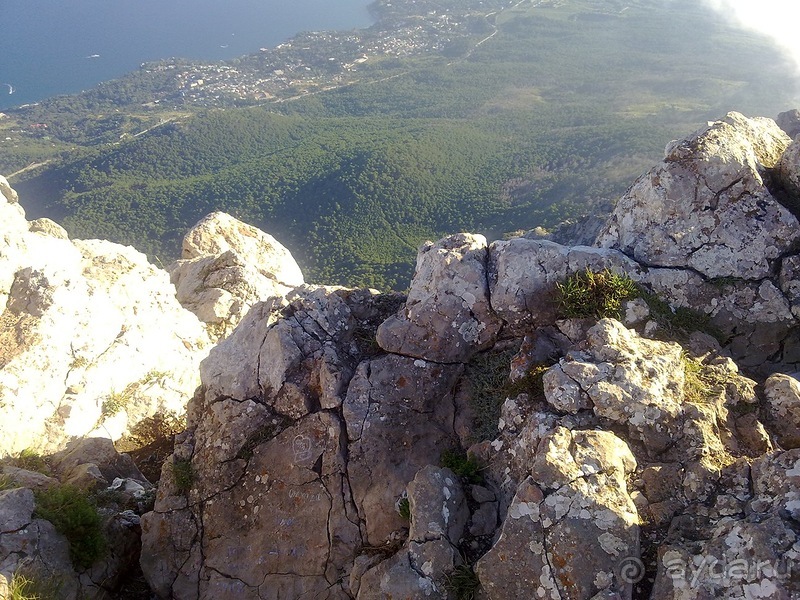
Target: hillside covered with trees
<point x="555" y="111"/>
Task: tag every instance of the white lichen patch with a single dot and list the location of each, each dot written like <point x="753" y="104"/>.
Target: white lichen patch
<point x="471" y="330"/>
<point x="612" y="545"/>
<point x="518" y="510"/>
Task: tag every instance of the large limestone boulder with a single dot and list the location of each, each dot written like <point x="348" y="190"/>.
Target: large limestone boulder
<point x="706" y="207"/>
<point x="77" y="310"/>
<point x="448" y="316"/>
<point x="227" y="266"/>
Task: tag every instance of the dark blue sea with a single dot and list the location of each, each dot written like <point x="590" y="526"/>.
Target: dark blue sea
<point x="50" y="47"/>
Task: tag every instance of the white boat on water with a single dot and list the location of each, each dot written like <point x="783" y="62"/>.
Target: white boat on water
<point x="93" y="56"/>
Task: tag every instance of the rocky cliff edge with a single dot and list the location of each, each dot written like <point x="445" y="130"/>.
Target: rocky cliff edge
<point x="325" y="449"/>
<point x="608" y="457"/>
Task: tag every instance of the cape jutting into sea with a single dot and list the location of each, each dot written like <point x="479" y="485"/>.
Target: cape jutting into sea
<point x="51" y="47"/>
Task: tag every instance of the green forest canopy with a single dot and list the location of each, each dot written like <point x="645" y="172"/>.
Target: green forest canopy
<point x="561" y="109"/>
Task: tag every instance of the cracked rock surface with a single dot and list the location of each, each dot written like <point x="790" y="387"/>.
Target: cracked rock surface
<point x="618" y="459"/>
<point x="570" y="522"/>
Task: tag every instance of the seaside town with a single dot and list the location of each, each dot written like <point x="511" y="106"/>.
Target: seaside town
<point x="320" y="60"/>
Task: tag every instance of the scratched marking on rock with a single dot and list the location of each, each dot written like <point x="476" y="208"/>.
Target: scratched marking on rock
<point x="305" y="496"/>
<point x="301" y="446"/>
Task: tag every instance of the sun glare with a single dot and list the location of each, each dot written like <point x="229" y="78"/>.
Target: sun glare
<point x="775" y="18"/>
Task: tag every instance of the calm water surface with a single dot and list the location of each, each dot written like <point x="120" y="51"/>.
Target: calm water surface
<point x="50" y="47"/>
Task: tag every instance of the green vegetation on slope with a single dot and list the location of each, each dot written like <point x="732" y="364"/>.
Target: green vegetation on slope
<point x="559" y="110"/>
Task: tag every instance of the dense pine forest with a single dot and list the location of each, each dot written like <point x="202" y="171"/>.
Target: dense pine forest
<point x="547" y="119"/>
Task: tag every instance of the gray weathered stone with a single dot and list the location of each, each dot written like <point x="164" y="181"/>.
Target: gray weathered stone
<point x="789" y="121"/>
<point x="399" y="415"/>
<point x="737" y="229"/>
<point x="447" y="316"/>
<point x="99" y="452"/>
<point x="420" y="569"/>
<point x="567" y="536"/>
<point x="783" y="406"/>
<point x="744" y="553"/>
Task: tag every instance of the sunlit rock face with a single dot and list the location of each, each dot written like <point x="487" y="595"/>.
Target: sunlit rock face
<point x="713" y="225"/>
<point x="93" y="339"/>
<point x="226" y="267"/>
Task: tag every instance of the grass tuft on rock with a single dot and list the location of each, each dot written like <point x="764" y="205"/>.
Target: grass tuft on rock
<point x="490" y="383"/>
<point x="701" y="384"/>
<point x="462" y="583"/>
<point x="30" y="460"/>
<point x="601" y="294"/>
<point x="404" y="508"/>
<point x="25" y="587"/>
<point x="74" y="516"/>
<point x="590" y="294"/>
<point x="462" y="464"/>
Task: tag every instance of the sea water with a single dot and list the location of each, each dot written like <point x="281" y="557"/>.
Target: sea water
<point x="50" y="47"/>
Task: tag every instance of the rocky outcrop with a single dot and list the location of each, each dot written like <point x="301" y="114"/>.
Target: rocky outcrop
<point x="77" y="310"/>
<point x="709" y="225"/>
<point x="312" y="462"/>
<point x="53" y="556"/>
<point x="278" y="386"/>
<point x="447" y="316"/>
<point x="227" y="266"/>
<point x="745" y="546"/>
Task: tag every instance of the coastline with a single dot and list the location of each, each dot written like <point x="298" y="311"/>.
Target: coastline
<point x="65" y="71"/>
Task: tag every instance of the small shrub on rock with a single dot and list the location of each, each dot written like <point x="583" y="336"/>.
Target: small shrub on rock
<point x="183" y="475"/>
<point x="76" y="518"/>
